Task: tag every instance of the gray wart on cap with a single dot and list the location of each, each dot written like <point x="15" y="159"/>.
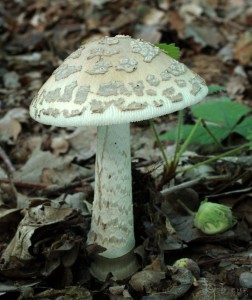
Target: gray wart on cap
<point x="115" y="80"/>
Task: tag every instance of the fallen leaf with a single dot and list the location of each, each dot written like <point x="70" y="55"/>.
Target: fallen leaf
<point x="243" y="48"/>
<point x="145" y="280"/>
<point x="59" y="145"/>
<point x="35" y="218"/>
<point x="10" y="126"/>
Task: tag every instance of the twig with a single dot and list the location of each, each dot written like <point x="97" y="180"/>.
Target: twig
<point x="187" y="209"/>
<point x="160" y="146"/>
<point x="193" y="182"/>
<point x="51" y="188"/>
<point x="215" y="158"/>
<point x="10" y="169"/>
<point x="9" y="166"/>
<point x="181" y="186"/>
<point x="31" y="185"/>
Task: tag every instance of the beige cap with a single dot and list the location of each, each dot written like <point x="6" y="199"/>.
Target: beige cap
<point x="116" y="80"/>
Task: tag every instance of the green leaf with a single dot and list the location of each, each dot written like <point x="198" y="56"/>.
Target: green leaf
<point x="170" y="49"/>
<point x="245" y="128"/>
<point x="214" y="89"/>
<point x="200" y="137"/>
<point x="222" y="111"/>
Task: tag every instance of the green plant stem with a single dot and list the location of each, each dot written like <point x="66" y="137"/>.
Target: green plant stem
<point x="160" y="146"/>
<point x="231" y="152"/>
<point x="204" y="125"/>
<point x="188" y="139"/>
<point x="178" y="135"/>
<point x="187" y="209"/>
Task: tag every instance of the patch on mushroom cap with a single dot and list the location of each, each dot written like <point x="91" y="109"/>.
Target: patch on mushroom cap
<point x="82" y="93"/>
<point x="77" y="53"/>
<point x="100" y="67"/>
<point x="54" y="112"/>
<point x="102" y="52"/>
<point x="127" y="64"/>
<point x="65" y="70"/>
<point x="176" y="68"/>
<point x="152" y="80"/>
<point x="55" y="95"/>
<point x="165" y="75"/>
<point x="196" y="82"/>
<point x="158" y="103"/>
<point x="109" y="40"/>
<point x="135" y="106"/>
<point x="99" y="106"/>
<point x="147" y="50"/>
<point x="151" y="92"/>
<point x="180" y="82"/>
<point x="170" y="94"/>
<point x="137" y="87"/>
<point x="73" y="113"/>
<point x="113" y="88"/>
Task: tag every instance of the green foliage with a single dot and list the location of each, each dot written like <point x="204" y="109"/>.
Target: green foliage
<point x="214" y="89"/>
<point x="170" y="49"/>
<point x="222" y="111"/>
<point x="222" y="118"/>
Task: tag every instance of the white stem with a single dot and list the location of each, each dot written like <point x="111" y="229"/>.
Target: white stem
<point x="112" y="218"/>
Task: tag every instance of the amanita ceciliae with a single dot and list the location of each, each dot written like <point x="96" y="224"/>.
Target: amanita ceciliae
<point x="109" y="83"/>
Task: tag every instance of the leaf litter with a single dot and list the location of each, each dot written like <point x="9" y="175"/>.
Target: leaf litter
<point x="46" y="173"/>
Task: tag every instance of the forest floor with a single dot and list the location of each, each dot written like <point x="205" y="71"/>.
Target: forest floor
<point x="47" y="173"/>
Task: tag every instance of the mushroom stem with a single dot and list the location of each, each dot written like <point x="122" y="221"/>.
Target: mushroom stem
<point x="112" y="218"/>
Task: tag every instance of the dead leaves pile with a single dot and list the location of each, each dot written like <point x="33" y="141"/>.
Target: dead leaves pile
<point x="37" y="37"/>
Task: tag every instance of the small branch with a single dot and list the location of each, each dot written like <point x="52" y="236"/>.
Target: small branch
<point x="193" y="182"/>
<point x="30" y="185"/>
<point x="8" y="164"/>
<point x="10" y="169"/>
<point x="215" y="158"/>
<point x="187" y="209"/>
<point x="49" y="189"/>
<point x="160" y="146"/>
<point x="181" y="186"/>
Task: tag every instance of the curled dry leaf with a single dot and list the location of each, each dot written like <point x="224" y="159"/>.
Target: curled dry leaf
<point x="145" y="280"/>
<point x="243" y="48"/>
<point x="8" y="216"/>
<point x="10" y="126"/>
<point x="34" y="219"/>
<point x="190" y="12"/>
<point x="50" y="168"/>
<point x="70" y="292"/>
<point x="59" y="145"/>
<point x="83" y="142"/>
<point x="11" y="80"/>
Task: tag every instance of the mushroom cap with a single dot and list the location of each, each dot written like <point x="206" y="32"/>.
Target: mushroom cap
<point x="116" y="80"/>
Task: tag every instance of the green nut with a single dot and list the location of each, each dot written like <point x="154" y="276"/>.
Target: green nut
<point x="213" y="218"/>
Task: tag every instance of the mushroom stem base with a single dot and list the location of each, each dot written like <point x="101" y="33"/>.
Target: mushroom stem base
<point x="123" y="267"/>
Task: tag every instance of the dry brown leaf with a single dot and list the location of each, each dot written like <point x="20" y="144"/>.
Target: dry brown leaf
<point x="144" y="281"/>
<point x="35" y="217"/>
<point x="59" y="145"/>
<point x="10" y="126"/>
<point x="243" y="48"/>
<point x="83" y="142"/>
<point x="190" y="12"/>
<point x="204" y="34"/>
<point x="38" y="161"/>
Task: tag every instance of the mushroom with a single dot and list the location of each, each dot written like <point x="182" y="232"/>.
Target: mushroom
<point x="109" y="83"/>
